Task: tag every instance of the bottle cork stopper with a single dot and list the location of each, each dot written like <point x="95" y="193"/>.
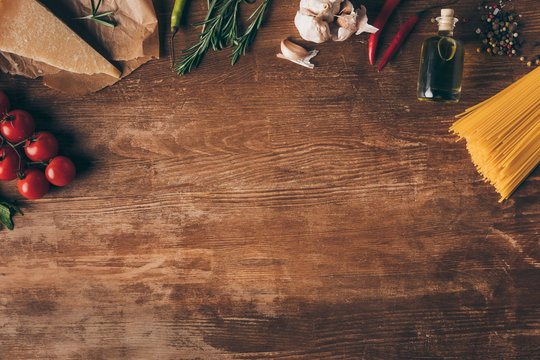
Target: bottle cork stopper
<point x="447" y="12"/>
<point x="447" y="20"/>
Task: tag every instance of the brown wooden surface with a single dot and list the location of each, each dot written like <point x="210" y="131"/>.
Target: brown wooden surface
<point x="266" y="211"/>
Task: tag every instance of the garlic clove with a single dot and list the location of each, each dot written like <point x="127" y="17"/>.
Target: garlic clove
<point x="312" y="28"/>
<point x="293" y="51"/>
<point x="296" y="53"/>
<point x="322" y="20"/>
<point x="342" y="34"/>
<point x="346" y="22"/>
<point x="362" y="22"/>
<point x="325" y="9"/>
<point x="342" y="20"/>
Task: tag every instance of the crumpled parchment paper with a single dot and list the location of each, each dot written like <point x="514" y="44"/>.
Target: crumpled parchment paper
<point x="132" y="42"/>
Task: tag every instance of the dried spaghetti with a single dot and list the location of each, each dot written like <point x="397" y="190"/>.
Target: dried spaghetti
<point x="503" y="134"/>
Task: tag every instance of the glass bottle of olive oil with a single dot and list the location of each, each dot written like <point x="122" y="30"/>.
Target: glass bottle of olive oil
<point x="441" y="63"/>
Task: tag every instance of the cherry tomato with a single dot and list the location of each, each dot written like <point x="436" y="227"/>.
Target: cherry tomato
<point x="4" y="103"/>
<point x="17" y="126"/>
<point x="33" y="185"/>
<point x="9" y="163"/>
<point x="43" y="146"/>
<point x="60" y="171"/>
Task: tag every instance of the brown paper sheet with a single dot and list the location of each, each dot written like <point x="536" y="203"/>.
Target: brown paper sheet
<point x="132" y="42"/>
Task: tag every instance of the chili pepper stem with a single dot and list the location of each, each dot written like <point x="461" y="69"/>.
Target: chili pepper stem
<point x="176" y="18"/>
<point x="174" y="31"/>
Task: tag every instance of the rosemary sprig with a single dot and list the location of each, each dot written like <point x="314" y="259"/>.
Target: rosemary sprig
<point x="243" y="42"/>
<point x="221" y="29"/>
<point x="102" y="19"/>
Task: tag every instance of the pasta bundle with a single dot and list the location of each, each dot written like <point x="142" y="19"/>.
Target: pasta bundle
<point x="503" y="134"/>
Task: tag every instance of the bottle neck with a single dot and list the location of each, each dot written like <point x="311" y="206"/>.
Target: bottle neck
<point x="446" y="33"/>
<point x="446" y="25"/>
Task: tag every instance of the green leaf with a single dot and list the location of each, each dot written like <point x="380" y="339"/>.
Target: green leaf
<point x="5" y="217"/>
<point x="108" y="13"/>
<point x="7" y="210"/>
<point x="99" y="18"/>
<point x="87" y="17"/>
<point x="103" y="22"/>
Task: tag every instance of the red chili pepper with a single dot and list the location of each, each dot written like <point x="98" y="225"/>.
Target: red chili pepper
<point x="398" y="40"/>
<point x="403" y="33"/>
<point x="379" y="23"/>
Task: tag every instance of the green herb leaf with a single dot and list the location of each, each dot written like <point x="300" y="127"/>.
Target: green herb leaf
<point x="7" y="210"/>
<point x="108" y="13"/>
<point x="104" y="22"/>
<point x="5" y="217"/>
<point x="221" y="28"/>
<point x="244" y="42"/>
<point x="98" y="18"/>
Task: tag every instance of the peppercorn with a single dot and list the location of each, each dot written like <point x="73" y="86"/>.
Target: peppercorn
<point x="498" y="30"/>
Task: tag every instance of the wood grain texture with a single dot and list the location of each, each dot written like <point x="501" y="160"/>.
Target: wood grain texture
<point x="265" y="211"/>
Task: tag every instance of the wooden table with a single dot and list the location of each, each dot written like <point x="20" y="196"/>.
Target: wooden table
<point x="267" y="211"/>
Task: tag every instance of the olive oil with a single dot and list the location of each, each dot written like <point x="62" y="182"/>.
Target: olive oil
<point x="441" y="63"/>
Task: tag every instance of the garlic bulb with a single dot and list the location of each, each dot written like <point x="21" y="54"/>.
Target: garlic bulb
<point x="297" y="54"/>
<point x="322" y="20"/>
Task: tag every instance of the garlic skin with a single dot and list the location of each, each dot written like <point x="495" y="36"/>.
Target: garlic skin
<point x="362" y="23"/>
<point x="322" y="20"/>
<point x="297" y="54"/>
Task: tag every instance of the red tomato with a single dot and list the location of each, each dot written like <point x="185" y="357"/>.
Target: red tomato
<point x="33" y="185"/>
<point x="60" y="171"/>
<point x="9" y="163"/>
<point x="43" y="146"/>
<point x="17" y="126"/>
<point x="4" y="103"/>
